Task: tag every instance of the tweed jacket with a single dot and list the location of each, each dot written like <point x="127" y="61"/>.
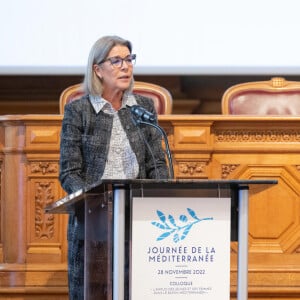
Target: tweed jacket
<point x="85" y="141"/>
<point x="85" y="138"/>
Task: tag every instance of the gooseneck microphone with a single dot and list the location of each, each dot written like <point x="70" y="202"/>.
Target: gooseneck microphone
<point x="142" y="113"/>
<point x="142" y="116"/>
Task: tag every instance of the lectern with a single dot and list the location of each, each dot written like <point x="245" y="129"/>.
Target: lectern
<point x="112" y="253"/>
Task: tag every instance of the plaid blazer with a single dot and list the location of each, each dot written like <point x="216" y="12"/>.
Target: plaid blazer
<point x="85" y="138"/>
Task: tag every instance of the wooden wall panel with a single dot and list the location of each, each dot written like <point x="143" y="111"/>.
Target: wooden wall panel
<point x="33" y="263"/>
<point x="251" y="148"/>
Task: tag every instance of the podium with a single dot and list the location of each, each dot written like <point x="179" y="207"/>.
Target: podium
<point x="108" y="218"/>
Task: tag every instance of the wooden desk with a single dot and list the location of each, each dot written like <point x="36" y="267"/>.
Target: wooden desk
<point x="33" y="244"/>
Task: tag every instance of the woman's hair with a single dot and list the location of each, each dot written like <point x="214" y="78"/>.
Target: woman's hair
<point x="99" y="52"/>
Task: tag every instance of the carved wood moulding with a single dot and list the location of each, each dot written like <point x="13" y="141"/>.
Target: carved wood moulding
<point x="256" y="136"/>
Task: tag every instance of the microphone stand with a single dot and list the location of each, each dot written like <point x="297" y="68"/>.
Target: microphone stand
<point x="139" y="121"/>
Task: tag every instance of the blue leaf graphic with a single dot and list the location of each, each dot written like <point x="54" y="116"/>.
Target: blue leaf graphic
<point x="172" y="220"/>
<point x="183" y="218"/>
<point x="161" y="215"/>
<point x="176" y="238"/>
<point x="192" y="213"/>
<point x="164" y="235"/>
<point x="186" y="231"/>
<point x="181" y="230"/>
<point x="159" y="225"/>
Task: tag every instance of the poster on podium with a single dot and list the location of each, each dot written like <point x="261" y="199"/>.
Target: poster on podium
<point x="180" y="248"/>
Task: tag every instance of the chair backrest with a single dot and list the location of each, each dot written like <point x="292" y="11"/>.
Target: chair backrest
<point x="161" y="97"/>
<point x="274" y="97"/>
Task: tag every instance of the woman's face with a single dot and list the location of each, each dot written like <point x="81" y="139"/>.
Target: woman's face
<point x="115" y="72"/>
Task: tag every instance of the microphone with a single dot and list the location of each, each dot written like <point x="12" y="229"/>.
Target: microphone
<point x="142" y="113"/>
<point x="141" y="116"/>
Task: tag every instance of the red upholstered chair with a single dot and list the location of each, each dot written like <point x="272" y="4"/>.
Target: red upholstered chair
<point x="161" y="97"/>
<point x="274" y="97"/>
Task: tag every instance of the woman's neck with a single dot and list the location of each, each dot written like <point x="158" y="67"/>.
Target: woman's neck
<point x="114" y="98"/>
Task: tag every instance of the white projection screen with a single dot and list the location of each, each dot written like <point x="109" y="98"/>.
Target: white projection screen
<point x="168" y="36"/>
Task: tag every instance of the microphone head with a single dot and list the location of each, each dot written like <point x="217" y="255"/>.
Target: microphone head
<point x="142" y="114"/>
<point x="137" y="110"/>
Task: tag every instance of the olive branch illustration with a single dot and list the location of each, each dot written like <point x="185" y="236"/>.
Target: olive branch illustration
<point x="179" y="230"/>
